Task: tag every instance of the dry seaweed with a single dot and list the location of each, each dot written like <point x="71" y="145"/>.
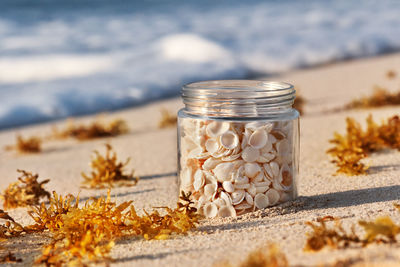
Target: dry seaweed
<point x="108" y="172"/>
<point x="27" y="191"/>
<point x="88" y="233"/>
<point x="96" y="129"/>
<point x="382" y="230"/>
<point x="380" y="97"/>
<point x="391" y="74"/>
<point x="9" y="258"/>
<point x="269" y="256"/>
<point x="167" y="119"/>
<point x="356" y="144"/>
<point x="10" y="228"/>
<point x="28" y="145"/>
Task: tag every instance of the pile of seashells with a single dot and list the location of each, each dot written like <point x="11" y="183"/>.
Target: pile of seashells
<point x="236" y="167"/>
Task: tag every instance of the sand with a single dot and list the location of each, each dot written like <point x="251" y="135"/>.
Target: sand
<point x="153" y="153"/>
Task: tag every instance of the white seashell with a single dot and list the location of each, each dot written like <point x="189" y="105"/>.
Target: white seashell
<point x="282" y="147"/>
<point x="265" y="183"/>
<point x="221" y="153"/>
<point x="261" y="189"/>
<point x="223" y="171"/>
<point x="219" y="202"/>
<point x="273" y="196"/>
<point x="285" y="177"/>
<point x="249" y="199"/>
<point x="186" y="177"/>
<point x="226" y="198"/>
<point x="241" y="180"/>
<point x="245" y="139"/>
<point x="237" y="196"/>
<point x="199" y="180"/>
<point x="259" y="178"/>
<point x="231" y="157"/>
<point x="209" y="190"/>
<point x="267" y="148"/>
<point x="258" y="139"/>
<point x="261" y="201"/>
<point x="242" y="186"/>
<point x="243" y="206"/>
<point x="267" y="157"/>
<point x="216" y="128"/>
<point x="210" y="163"/>
<point x="252" y="190"/>
<point x="250" y="154"/>
<point x="212" y="145"/>
<point x="268" y="127"/>
<point x="272" y="169"/>
<point x="254" y="125"/>
<point x="229" y="140"/>
<point x="210" y="210"/>
<point x="227" y="211"/>
<point x="251" y="170"/>
<point x="284" y="197"/>
<point x="228" y="186"/>
<point x="272" y="138"/>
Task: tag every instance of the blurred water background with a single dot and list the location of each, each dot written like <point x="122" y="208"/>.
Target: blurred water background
<point x="72" y="57"/>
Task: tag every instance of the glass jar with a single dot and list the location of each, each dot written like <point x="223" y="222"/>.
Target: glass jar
<point x="238" y="144"/>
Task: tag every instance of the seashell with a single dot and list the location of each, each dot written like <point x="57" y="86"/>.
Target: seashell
<point x="219" y="202"/>
<point x="212" y="145"/>
<point x="245" y="139"/>
<point x="217" y="128"/>
<point x="242" y="186"/>
<point x="254" y="125"/>
<point x="285" y="177"/>
<point x="198" y="153"/>
<point x="229" y="140"/>
<point x="250" y="154"/>
<point x="258" y="139"/>
<point x="259" y="178"/>
<point x="272" y="138"/>
<point x="210" y="210"/>
<point x="228" y="186"/>
<point x="261" y="201"/>
<point x="200" y="202"/>
<point x="223" y="171"/>
<point x="249" y="199"/>
<point x="265" y="183"/>
<point x="237" y="196"/>
<point x="251" y="170"/>
<point x="221" y="153"/>
<point x="243" y="206"/>
<point x="226" y="198"/>
<point x="268" y="147"/>
<point x="252" y="190"/>
<point x="231" y="157"/>
<point x="282" y="147"/>
<point x="273" y="196"/>
<point x="272" y="169"/>
<point x="226" y="211"/>
<point x="186" y="177"/>
<point x="210" y="163"/>
<point x="199" y="180"/>
<point x="209" y="190"/>
<point x="261" y="189"/>
<point x="267" y="157"/>
<point x="241" y="180"/>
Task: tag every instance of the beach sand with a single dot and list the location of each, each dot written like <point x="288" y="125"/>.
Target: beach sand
<point x="153" y="156"/>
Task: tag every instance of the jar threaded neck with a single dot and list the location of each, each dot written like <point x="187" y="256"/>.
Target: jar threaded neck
<point x="238" y="98"/>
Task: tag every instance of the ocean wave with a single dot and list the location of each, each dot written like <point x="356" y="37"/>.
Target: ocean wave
<point x="77" y="61"/>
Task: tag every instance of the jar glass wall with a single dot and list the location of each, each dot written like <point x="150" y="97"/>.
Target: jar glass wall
<point x="238" y="145"/>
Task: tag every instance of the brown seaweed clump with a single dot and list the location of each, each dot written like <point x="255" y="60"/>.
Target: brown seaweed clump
<point x="10" y="228"/>
<point x="269" y="256"/>
<point x="96" y="129"/>
<point x="27" y="191"/>
<point x="88" y="233"/>
<point x="108" y="172"/>
<point x="382" y="230"/>
<point x="391" y="74"/>
<point x="379" y="98"/>
<point x="167" y="119"/>
<point x="350" y="149"/>
<point x="26" y="145"/>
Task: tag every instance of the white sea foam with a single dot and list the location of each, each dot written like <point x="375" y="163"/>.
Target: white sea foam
<point x="78" y="62"/>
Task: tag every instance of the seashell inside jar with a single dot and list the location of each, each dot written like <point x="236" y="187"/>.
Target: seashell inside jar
<point x="234" y="160"/>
